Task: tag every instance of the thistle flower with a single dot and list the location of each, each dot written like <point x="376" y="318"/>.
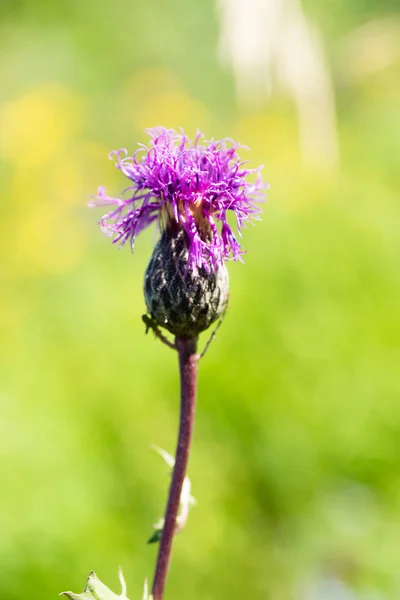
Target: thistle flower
<point x="184" y="185"/>
<point x="189" y="187"/>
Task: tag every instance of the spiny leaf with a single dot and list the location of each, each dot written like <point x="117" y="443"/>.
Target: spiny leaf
<point x="186" y="500"/>
<point x="96" y="590"/>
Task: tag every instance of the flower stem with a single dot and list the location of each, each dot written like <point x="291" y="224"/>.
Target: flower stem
<point x="188" y="358"/>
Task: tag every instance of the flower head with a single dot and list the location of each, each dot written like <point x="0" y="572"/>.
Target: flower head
<point x="184" y="185"/>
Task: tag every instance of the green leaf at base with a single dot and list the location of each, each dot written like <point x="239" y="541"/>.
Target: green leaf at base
<point x="96" y="590"/>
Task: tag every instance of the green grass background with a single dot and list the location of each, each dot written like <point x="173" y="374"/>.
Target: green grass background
<point x="296" y="455"/>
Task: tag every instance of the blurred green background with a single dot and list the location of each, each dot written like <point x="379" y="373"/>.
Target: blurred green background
<point x="296" y="455"/>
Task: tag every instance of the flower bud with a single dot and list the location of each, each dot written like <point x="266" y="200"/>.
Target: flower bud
<point x="183" y="300"/>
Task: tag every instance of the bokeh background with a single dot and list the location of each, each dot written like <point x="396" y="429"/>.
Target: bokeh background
<point x="296" y="456"/>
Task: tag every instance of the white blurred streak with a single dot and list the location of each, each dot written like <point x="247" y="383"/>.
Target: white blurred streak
<point x="270" y="43"/>
<point x="328" y="588"/>
<point x="332" y="588"/>
<point x="368" y="49"/>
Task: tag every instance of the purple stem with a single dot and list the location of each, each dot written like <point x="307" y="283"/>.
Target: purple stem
<point x="188" y="359"/>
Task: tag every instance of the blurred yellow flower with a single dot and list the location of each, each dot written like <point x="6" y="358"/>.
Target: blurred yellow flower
<point x="34" y="128"/>
<point x="39" y="139"/>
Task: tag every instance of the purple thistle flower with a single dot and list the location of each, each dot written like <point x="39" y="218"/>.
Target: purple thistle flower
<point x="187" y="185"/>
